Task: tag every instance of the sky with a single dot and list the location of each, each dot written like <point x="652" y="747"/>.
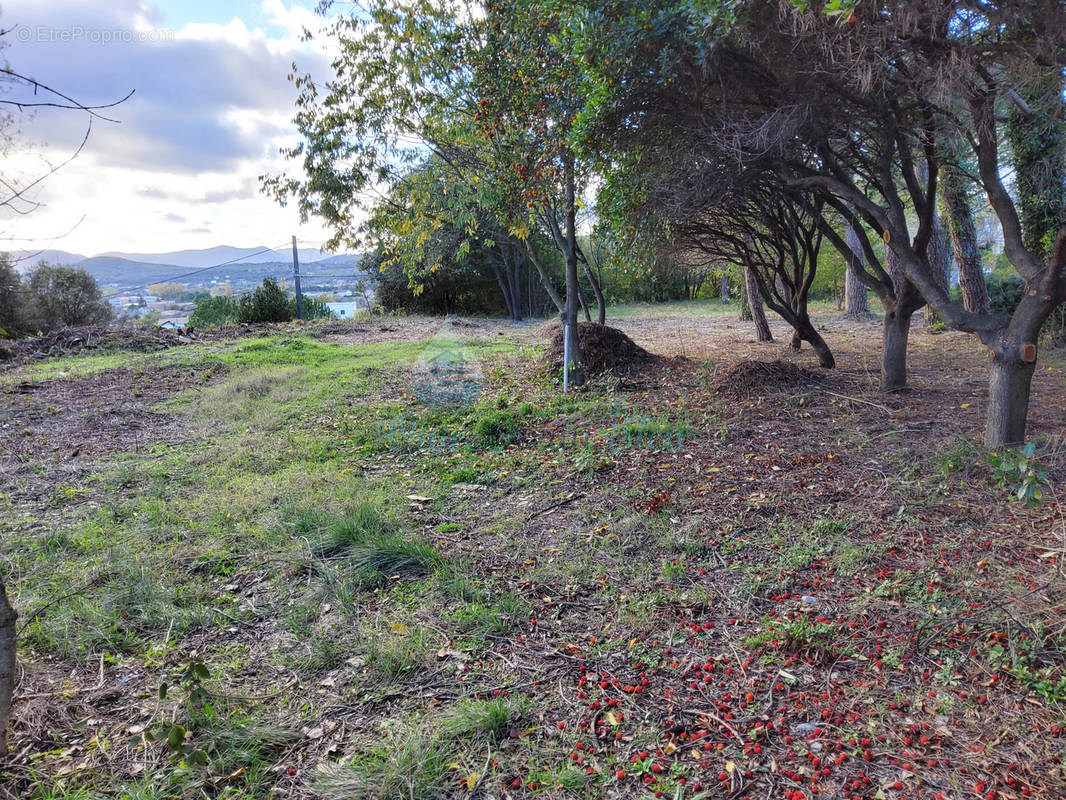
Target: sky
<point x="212" y="106"/>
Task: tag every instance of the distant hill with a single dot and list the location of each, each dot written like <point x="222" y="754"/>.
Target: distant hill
<point x="26" y="260"/>
<point x="241" y="267"/>
<point x="195" y="259"/>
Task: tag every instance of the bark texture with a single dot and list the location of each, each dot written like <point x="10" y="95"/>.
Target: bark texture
<point x="897" y="326"/>
<point x="959" y="215"/>
<point x="940" y="264"/>
<point x="856" y="302"/>
<point x="8" y="617"/>
<point x="754" y="305"/>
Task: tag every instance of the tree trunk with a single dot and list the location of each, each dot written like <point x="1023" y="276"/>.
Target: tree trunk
<point x="805" y="331"/>
<point x="744" y="312"/>
<point x="856" y="303"/>
<point x="1009" y="379"/>
<point x="755" y="307"/>
<point x="574" y="371"/>
<point x="964" y="240"/>
<point x="546" y="280"/>
<point x="940" y="264"/>
<point x="725" y="286"/>
<point x="505" y="289"/>
<point x="8" y="617"/>
<point x="601" y="304"/>
<point x="894" y="349"/>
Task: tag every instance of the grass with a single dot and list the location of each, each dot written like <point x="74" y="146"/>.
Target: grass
<point x="287" y="540"/>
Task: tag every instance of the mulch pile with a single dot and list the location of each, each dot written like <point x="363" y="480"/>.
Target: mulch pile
<point x="603" y="349"/>
<point x="115" y="338"/>
<point x="93" y="337"/>
<point x="747" y="379"/>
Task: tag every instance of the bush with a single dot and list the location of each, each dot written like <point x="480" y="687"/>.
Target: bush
<point x="63" y="295"/>
<point x="213" y="312"/>
<point x="313" y="308"/>
<point x="268" y="303"/>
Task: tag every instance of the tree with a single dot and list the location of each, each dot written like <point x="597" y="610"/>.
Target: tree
<point x="12" y="303"/>
<point x="955" y="196"/>
<point x="214" y="312"/>
<point x="869" y="92"/>
<point x="267" y="303"/>
<point x="491" y="97"/>
<point x="65" y="295"/>
<point x="753" y="302"/>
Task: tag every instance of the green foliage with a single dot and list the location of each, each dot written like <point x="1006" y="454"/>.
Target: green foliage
<point x="268" y="303"/>
<point x="214" y="312"/>
<point x="12" y="316"/>
<point x="196" y="710"/>
<point x="1004" y="292"/>
<point x="313" y="308"/>
<point x="496" y="428"/>
<point x="1019" y="470"/>
<point x="63" y="295"/>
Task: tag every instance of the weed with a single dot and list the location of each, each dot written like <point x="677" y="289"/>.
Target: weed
<point x="1017" y="469"/>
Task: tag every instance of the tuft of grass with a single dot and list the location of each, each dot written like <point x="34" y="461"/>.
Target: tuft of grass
<point x="366" y="522"/>
<point x="480" y="720"/>
<point x="414" y="764"/>
<point x="496" y="428"/>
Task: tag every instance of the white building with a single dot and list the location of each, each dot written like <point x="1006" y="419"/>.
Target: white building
<point x="346" y="310"/>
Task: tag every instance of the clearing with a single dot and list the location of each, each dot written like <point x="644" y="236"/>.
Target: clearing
<point x="390" y="559"/>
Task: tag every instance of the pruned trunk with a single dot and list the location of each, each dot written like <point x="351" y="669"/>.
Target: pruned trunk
<point x="8" y="618"/>
<point x="964" y="240"/>
<point x="894" y="349"/>
<point x="755" y="307"/>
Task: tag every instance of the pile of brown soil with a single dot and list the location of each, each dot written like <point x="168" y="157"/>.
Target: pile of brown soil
<point x="753" y="378"/>
<point x="603" y="349"/>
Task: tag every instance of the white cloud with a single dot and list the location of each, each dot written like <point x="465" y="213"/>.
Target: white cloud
<point x="212" y="105"/>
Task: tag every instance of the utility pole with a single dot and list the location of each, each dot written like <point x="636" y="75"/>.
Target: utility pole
<point x="296" y="278"/>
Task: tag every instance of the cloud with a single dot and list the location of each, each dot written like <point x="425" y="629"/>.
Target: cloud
<point x="212" y="104"/>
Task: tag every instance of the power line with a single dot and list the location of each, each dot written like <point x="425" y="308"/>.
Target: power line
<point x="172" y="278"/>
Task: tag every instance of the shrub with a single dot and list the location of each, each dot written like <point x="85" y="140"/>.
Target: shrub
<point x="213" y="312"/>
<point x="267" y="303"/>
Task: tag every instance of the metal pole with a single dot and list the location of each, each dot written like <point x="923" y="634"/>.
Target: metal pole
<point x="566" y="356"/>
<point x="296" y="277"/>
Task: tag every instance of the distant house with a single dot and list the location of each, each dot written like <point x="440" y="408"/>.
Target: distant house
<point x="346" y="310"/>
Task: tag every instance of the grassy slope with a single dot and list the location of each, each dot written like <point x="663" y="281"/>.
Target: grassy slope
<point x="400" y="600"/>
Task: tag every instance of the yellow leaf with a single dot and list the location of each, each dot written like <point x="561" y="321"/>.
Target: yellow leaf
<point x="612" y="720"/>
<point x="471" y="781"/>
<point x="399" y="627"/>
<point x="670" y="747"/>
<point x="730" y="767"/>
<point x="965" y="405"/>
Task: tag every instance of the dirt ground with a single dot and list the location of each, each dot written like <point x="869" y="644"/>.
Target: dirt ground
<point x="798" y="443"/>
